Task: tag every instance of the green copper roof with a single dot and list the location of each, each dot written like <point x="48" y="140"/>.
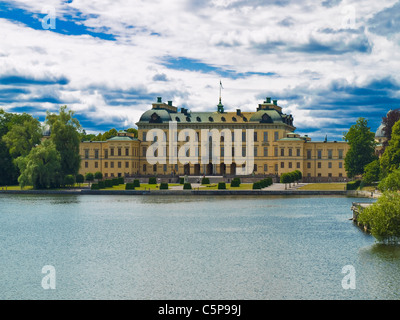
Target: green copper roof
<point x="121" y="138"/>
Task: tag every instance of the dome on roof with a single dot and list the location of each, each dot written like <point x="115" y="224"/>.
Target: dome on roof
<point x="155" y="116"/>
<point x="379" y="132"/>
<point x="266" y="116"/>
<point x="46" y="131"/>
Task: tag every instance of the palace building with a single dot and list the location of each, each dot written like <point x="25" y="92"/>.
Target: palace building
<point x="277" y="148"/>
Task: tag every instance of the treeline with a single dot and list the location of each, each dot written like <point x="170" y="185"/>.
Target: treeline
<point x="106" y="135"/>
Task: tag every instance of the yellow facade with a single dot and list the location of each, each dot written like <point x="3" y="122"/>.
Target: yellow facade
<point x="277" y="149"/>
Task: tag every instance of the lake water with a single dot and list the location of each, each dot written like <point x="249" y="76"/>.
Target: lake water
<point x="189" y="247"/>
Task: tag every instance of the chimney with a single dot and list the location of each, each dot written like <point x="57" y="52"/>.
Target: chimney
<point x="275" y="102"/>
<point x="238" y="112"/>
<point x="170" y="103"/>
<point x="159" y="99"/>
<point x="268" y="100"/>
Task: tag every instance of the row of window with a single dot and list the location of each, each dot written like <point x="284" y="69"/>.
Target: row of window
<point x="119" y="164"/>
<point x="110" y="152"/>
<point x="329" y="154"/>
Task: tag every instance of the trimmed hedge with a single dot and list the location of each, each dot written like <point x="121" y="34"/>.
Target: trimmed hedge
<point x="187" y="186"/>
<point x="95" y="186"/>
<point x="163" y="186"/>
<point x="152" y="180"/>
<point x="108" y="183"/>
<point x="353" y="185"/>
<point x="121" y="180"/>
<point x="237" y="179"/>
<point x="181" y="180"/>
<point x="221" y="185"/>
<point x="256" y="185"/>
<point x="129" y="186"/>
<point x="205" y="181"/>
<point x="136" y="183"/>
<point x="235" y="183"/>
<point x="115" y="181"/>
<point x="101" y="184"/>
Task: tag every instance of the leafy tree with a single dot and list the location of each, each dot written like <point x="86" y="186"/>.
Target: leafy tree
<point x="383" y="218"/>
<point x="390" y="159"/>
<point x="372" y="172"/>
<point x="80" y="178"/>
<point x="98" y="175"/>
<point x="362" y="148"/>
<point x="285" y="178"/>
<point x="388" y="122"/>
<point x="89" y="177"/>
<point x="391" y="182"/>
<point x="69" y="180"/>
<point x="65" y="133"/>
<point x="134" y="131"/>
<point x="41" y="167"/>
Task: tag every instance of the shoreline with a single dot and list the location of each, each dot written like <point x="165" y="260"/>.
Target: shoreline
<point x="351" y="193"/>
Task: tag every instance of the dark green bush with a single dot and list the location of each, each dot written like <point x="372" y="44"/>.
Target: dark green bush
<point x="221" y="185"/>
<point x="129" y="186"/>
<point x="95" y="186"/>
<point x="237" y="179"/>
<point x="163" y="186"/>
<point x="108" y="183"/>
<point x="205" y="181"/>
<point x="136" y="183"/>
<point x="235" y="183"/>
<point x="152" y="180"/>
<point x="115" y="181"/>
<point x="187" y="186"/>
<point x="353" y="185"/>
<point x="181" y="180"/>
<point x="101" y="184"/>
<point x="256" y="185"/>
<point x="121" y="180"/>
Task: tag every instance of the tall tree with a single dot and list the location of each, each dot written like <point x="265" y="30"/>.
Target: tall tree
<point x="41" y="168"/>
<point x="66" y="133"/>
<point x="362" y="148"/>
<point x="390" y="159"/>
<point x="391" y="118"/>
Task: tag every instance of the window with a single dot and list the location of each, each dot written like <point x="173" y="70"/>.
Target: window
<point x="86" y="153"/>
<point x="282" y="152"/>
<point x="276" y="136"/>
<point x="243" y="135"/>
<point x="222" y="152"/>
<point x="265" y="167"/>
<point x="265" y="152"/>
<point x="308" y="154"/>
<point x="111" y="164"/>
<point x="255" y="151"/>
<point x="126" y="164"/>
<point x="96" y="164"/>
<point x="282" y="165"/>
<point x="340" y="175"/>
<point x="127" y="151"/>
<point x="298" y="152"/>
<point x="144" y="151"/>
<point x="290" y="165"/>
<point x="111" y="152"/>
<point x="119" y="152"/>
<point x="106" y="154"/>
<point x="308" y="165"/>
<point x="298" y="165"/>
<point x="290" y="152"/>
<point x="165" y="167"/>
<point x="329" y="153"/>
<point x="319" y="175"/>
<point x="119" y="164"/>
<point x="330" y="165"/>
<point x="144" y="138"/>
<point x="340" y="154"/>
<point x="330" y="175"/>
<point x="255" y="168"/>
<point x="243" y="151"/>
<point x="319" y="154"/>
<point x="144" y="168"/>
<point x="319" y="165"/>
<point x="96" y="153"/>
<point x="276" y="151"/>
<point x="255" y="135"/>
<point x="86" y="164"/>
<point x="340" y="165"/>
<point x="106" y="164"/>
<point x="154" y="167"/>
<point x="276" y="167"/>
<point x="106" y="175"/>
<point x="112" y="174"/>
<point x="265" y="136"/>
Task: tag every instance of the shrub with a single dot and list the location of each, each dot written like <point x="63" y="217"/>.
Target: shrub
<point x="98" y="175"/>
<point x="221" y="185"/>
<point x="187" y="186"/>
<point x="256" y="185"/>
<point x="79" y="178"/>
<point x="115" y="181"/>
<point x="237" y="179"/>
<point x="152" y="180"/>
<point x="181" y="180"/>
<point x="269" y="180"/>
<point x="129" y="186"/>
<point x="95" y="186"/>
<point x="353" y="185"/>
<point x="136" y="183"/>
<point x="108" y="183"/>
<point x="69" y="180"/>
<point x="89" y="176"/>
<point x="205" y="181"/>
<point x="101" y="184"/>
<point x="163" y="186"/>
<point x="235" y="183"/>
<point x="263" y="183"/>
<point x="121" y="180"/>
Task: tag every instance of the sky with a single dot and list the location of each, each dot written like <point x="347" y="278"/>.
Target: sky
<point x="326" y="62"/>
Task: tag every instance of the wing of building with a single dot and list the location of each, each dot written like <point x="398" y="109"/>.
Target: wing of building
<point x="277" y="148"/>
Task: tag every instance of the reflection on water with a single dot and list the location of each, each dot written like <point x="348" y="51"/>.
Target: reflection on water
<point x="189" y="247"/>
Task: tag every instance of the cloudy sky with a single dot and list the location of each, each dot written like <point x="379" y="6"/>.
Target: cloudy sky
<point x="327" y="62"/>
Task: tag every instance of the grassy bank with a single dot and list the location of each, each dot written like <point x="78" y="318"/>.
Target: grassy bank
<point x="324" y="186"/>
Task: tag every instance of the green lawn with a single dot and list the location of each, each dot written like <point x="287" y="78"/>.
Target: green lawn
<point x="214" y="186"/>
<point x="15" y="188"/>
<point x="324" y="186"/>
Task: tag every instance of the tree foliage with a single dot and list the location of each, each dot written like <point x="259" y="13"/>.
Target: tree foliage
<point x="391" y="182"/>
<point x="362" y="148"/>
<point x="388" y="122"/>
<point x="390" y="159"/>
<point x="383" y="218"/>
<point x="41" y="167"/>
<point x="372" y="172"/>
